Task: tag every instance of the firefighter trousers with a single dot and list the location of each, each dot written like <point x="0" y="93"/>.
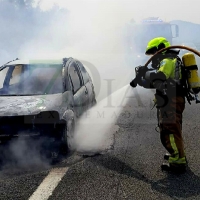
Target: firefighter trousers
<point x="170" y="124"/>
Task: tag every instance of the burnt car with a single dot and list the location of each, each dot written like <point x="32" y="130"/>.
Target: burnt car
<point x="41" y="97"/>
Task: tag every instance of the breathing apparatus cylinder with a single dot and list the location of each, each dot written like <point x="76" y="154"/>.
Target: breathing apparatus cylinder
<point x="191" y="68"/>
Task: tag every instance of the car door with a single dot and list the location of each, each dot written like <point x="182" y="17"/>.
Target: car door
<point x="79" y="91"/>
<point x="87" y="82"/>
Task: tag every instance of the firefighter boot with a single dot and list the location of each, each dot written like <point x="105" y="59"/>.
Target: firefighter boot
<point x="178" y="169"/>
<point x="166" y="156"/>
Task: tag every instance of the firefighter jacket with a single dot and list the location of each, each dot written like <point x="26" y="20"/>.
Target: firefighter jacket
<point x="168" y="80"/>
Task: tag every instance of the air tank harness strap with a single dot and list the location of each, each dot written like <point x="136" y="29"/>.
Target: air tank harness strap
<point x="185" y="71"/>
<point x="184" y="81"/>
<point x="176" y="81"/>
<point x="192" y="67"/>
<point x="177" y="70"/>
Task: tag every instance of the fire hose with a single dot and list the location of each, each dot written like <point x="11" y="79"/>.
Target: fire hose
<point x="172" y="47"/>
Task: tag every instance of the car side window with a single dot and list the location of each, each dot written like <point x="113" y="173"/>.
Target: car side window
<point x="85" y="74"/>
<point x="2" y="80"/>
<point x="16" y="75"/>
<point x="75" y="79"/>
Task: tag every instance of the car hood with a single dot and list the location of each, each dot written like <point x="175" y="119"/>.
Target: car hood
<point x="26" y="105"/>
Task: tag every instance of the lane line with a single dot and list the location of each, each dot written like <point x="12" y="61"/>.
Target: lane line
<point x="48" y="185"/>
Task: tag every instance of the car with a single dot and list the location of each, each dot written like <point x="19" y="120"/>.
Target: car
<point x="43" y="97"/>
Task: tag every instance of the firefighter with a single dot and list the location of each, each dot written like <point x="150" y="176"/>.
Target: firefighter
<point x="170" y="101"/>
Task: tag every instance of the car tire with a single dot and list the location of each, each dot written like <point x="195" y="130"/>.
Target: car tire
<point x="94" y="102"/>
<point x="67" y="136"/>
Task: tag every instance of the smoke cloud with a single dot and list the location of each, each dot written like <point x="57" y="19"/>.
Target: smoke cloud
<point x="24" y="153"/>
<point x="96" y="129"/>
<point x="92" y="31"/>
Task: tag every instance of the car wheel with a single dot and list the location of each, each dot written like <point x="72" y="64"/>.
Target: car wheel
<point x="94" y="102"/>
<point x="67" y="135"/>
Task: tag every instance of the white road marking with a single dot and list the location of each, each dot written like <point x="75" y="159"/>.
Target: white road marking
<point x="46" y="188"/>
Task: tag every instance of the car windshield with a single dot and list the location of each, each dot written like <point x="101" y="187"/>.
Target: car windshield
<point x="31" y="79"/>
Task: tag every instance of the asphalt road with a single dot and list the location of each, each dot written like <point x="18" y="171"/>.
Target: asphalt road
<point x="130" y="171"/>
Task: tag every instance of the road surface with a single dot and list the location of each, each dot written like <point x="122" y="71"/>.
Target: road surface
<point x="130" y="171"/>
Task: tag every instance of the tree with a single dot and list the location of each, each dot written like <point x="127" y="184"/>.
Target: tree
<point x="20" y="3"/>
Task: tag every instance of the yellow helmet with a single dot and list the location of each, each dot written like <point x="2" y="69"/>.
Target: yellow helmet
<point x="156" y="44"/>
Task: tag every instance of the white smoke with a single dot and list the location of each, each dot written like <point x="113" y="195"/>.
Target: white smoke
<point x="93" y="31"/>
<point x="96" y="128"/>
<point x="24" y="153"/>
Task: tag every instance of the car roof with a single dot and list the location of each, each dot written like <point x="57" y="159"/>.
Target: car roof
<point x="24" y="62"/>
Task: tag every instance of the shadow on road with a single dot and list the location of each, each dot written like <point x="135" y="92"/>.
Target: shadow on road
<point x="179" y="186"/>
<point x="175" y="186"/>
<point x="114" y="164"/>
